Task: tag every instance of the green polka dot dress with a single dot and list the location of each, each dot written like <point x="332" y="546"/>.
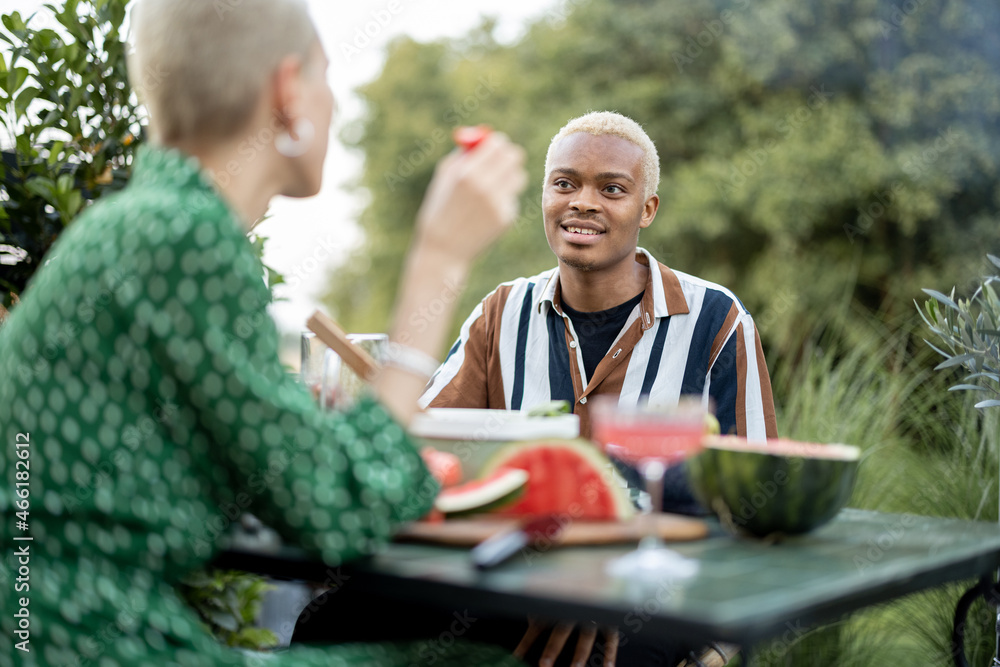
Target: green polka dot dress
<point x="143" y="370"/>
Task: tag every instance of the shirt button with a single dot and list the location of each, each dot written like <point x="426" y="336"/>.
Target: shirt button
<point x="583" y="401"/>
<point x="572" y="344"/>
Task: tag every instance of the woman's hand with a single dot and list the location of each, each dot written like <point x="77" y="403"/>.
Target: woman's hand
<point x="472" y="199"/>
<point x="557" y="640"/>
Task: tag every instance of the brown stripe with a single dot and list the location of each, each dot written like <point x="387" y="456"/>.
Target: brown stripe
<point x="741" y="383"/>
<point x="723" y="335"/>
<point x="770" y="421"/>
<point x="611" y="385"/>
<point x="493" y="314"/>
<point x="676" y="303"/>
<point x="478" y="383"/>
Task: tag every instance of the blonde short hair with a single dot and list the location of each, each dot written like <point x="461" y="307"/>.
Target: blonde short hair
<point x="600" y="123"/>
<point x="201" y="65"/>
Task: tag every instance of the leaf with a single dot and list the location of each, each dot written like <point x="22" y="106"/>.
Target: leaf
<point x="942" y="298"/>
<point x="14" y="80"/>
<point x="991" y="403"/>
<point x="26" y="97"/>
<point x="41" y="187"/>
<point x="990" y="376"/>
<point x="994" y="259"/>
<point x="14" y="22"/>
<point x="967" y="387"/>
<point x="935" y="348"/>
<point x="955" y="361"/>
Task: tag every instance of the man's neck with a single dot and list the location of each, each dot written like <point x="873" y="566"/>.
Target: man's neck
<point x="591" y="291"/>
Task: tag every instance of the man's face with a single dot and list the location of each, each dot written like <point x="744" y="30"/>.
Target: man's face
<point x="592" y="201"/>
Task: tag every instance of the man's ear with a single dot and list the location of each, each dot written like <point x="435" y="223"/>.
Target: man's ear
<point x="287" y="94"/>
<point x="649" y="211"/>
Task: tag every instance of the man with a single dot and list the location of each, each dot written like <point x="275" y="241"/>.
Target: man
<point x="609" y="319"/>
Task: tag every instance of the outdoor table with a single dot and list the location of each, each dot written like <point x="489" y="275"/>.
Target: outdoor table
<point x="746" y="591"/>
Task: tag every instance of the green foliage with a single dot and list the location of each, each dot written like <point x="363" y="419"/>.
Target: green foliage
<point x="969" y="329"/>
<point x="228" y="602"/>
<point x="810" y="152"/>
<point x="72" y="123"/>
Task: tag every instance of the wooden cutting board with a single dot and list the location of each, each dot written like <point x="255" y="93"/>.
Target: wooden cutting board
<point x="470" y="532"/>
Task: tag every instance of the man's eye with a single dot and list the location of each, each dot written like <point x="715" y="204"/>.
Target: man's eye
<point x="562" y="184"/>
<point x="614" y="189"/>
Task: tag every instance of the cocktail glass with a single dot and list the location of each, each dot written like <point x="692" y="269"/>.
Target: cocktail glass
<point x="652" y="438"/>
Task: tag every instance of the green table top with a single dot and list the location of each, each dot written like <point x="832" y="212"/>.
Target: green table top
<point x="745" y="590"/>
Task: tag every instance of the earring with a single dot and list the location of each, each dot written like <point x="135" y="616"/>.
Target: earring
<point x="289" y="147"/>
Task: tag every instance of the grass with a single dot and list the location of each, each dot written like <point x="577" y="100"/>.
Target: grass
<point x="925" y="451"/>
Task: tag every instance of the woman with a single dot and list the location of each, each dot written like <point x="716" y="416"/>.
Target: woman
<point x="146" y="400"/>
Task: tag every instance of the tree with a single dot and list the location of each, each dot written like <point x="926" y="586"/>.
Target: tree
<point x="811" y="153"/>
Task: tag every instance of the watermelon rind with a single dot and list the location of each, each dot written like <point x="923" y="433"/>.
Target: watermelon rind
<point x="482" y="495"/>
<point x="771" y="489"/>
<point x="599" y="468"/>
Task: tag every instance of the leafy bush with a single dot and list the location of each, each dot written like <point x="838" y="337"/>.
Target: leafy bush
<point x="228" y="602"/>
<point x="969" y="329"/>
<point x="66" y="103"/>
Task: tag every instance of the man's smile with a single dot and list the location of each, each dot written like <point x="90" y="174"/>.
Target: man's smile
<point x="577" y="229"/>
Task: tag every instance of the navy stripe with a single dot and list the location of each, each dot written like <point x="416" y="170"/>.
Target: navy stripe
<point x="517" y="393"/>
<point x="714" y="310"/>
<point x="725" y="382"/>
<point x="655" y="356"/>
<point x="560" y="375"/>
<point x="454" y="348"/>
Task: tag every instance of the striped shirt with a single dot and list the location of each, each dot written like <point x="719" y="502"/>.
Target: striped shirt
<point x="686" y="336"/>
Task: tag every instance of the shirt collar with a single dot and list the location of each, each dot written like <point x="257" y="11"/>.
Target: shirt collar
<point x="663" y="296"/>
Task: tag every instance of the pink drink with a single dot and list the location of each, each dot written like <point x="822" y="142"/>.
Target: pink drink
<point x="667" y="440"/>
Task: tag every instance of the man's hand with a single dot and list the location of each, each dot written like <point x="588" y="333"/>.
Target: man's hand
<point x="557" y="640"/>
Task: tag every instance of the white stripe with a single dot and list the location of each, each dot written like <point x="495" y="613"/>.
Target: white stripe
<point x="756" y="429"/>
<point x="691" y="283"/>
<point x="509" y="322"/>
<point x="666" y="389"/>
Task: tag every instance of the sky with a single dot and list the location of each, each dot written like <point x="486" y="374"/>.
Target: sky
<point x="308" y="238"/>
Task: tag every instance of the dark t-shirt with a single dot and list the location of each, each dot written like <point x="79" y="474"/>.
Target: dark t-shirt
<point x="598" y="330"/>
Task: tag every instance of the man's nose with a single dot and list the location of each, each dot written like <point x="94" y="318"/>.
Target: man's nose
<point x="585" y="201"/>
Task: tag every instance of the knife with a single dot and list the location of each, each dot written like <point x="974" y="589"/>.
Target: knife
<point x="544" y="530"/>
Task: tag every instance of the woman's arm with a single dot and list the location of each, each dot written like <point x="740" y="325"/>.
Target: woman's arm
<point x="469" y="204"/>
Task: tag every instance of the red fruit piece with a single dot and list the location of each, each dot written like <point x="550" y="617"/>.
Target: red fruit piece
<point x="470" y="136"/>
<point x="444" y="466"/>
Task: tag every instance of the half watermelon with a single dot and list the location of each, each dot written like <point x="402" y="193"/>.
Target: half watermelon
<point x="780" y="487"/>
<point x="568" y="477"/>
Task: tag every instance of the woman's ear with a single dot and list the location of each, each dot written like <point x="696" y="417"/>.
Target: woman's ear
<point x="287" y="94"/>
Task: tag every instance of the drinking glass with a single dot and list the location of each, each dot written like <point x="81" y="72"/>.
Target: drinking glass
<point x="332" y="382"/>
<point x="652" y="438"/>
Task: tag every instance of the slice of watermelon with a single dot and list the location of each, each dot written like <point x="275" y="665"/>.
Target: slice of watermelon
<point x="482" y="495"/>
<point x="568" y="477"/>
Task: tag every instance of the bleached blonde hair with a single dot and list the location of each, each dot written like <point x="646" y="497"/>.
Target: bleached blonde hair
<point x="200" y="65"/>
<point x="601" y="123"/>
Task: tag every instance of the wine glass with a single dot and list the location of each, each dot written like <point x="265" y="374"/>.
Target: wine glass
<point x="652" y="438"/>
